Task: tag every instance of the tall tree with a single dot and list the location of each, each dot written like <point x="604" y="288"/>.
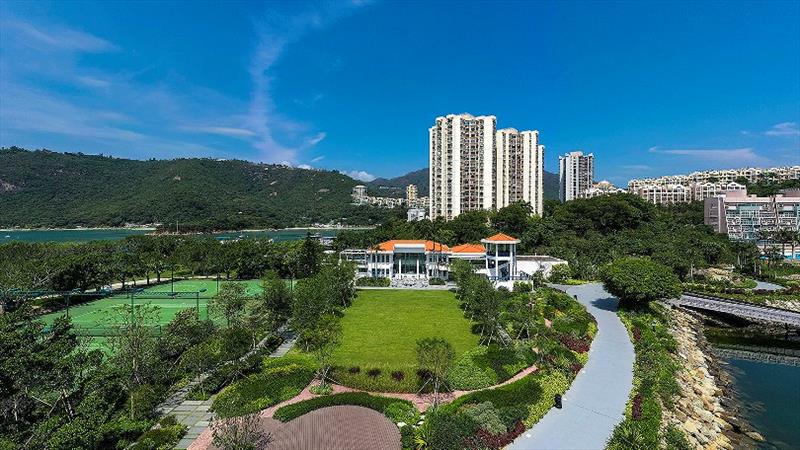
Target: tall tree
<point x="435" y="355"/>
<point x="229" y="302"/>
<point x="640" y="280"/>
<point x="134" y="353"/>
<point x="322" y="340"/>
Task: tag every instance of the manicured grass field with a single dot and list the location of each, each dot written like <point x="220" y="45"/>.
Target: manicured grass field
<point x="96" y="314"/>
<point x="381" y="327"/>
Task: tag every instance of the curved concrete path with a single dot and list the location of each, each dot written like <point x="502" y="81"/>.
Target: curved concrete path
<point x="768" y="286"/>
<point x="595" y="402"/>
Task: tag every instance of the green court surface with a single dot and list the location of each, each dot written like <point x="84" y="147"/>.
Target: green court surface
<point x="95" y="316"/>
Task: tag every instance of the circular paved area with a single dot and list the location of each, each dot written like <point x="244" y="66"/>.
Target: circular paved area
<point x="334" y="428"/>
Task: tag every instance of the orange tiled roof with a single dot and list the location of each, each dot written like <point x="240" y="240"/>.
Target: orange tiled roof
<point x="388" y="246"/>
<point x="500" y="237"/>
<point x="469" y="248"/>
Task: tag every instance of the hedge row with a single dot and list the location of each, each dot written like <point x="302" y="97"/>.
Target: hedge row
<point x="280" y="379"/>
<point x="396" y="409"/>
<point x="373" y="282"/>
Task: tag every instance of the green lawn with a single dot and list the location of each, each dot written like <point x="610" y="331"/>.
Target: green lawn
<point x="382" y="327"/>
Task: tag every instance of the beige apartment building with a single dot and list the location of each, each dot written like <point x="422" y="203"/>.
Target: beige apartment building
<point x="520" y="169"/>
<point x="575" y="175"/>
<point x="474" y="166"/>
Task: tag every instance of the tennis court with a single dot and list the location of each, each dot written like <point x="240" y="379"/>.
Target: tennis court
<point x="170" y="298"/>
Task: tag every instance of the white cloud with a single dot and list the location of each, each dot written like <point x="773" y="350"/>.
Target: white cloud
<point x="314" y="140"/>
<point x="304" y="166"/>
<point x="224" y="131"/>
<point x="784" y="129"/>
<point x="275" y="33"/>
<point x="359" y="175"/>
<point x="94" y="82"/>
<point x="725" y="156"/>
<point x="59" y="38"/>
<point x="318" y="158"/>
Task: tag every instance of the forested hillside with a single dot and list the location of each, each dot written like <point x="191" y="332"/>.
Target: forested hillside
<point x="396" y="187"/>
<point x="49" y="189"/>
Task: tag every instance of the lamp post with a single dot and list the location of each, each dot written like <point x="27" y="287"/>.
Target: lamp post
<point x="197" y="302"/>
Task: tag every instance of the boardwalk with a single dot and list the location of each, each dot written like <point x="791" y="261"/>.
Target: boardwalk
<point x="750" y="311"/>
<point x="595" y="403"/>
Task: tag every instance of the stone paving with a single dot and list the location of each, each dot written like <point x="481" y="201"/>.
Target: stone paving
<point x="194" y="414"/>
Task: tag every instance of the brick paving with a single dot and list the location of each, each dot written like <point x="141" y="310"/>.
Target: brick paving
<point x="333" y="428"/>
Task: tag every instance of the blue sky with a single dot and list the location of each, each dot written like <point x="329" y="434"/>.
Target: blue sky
<point x="652" y="88"/>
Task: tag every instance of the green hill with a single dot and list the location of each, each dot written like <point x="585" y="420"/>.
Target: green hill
<point x="49" y="189"/>
<point x="396" y="187"/>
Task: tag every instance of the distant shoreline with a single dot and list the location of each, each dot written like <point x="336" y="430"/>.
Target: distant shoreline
<point x="221" y="231"/>
<point x="81" y="229"/>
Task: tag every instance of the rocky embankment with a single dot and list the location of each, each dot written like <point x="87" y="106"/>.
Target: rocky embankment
<point x="705" y="410"/>
<point x="792" y="305"/>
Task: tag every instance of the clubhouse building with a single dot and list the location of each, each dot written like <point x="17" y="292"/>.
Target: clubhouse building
<point x="495" y="257"/>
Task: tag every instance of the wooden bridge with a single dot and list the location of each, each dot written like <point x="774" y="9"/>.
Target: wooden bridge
<point x="751" y="311"/>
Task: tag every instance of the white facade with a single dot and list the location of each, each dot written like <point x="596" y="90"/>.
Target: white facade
<point x="359" y="194"/>
<point x="575" y="175"/>
<point x="665" y="194"/>
<point x="520" y="167"/>
<point x="496" y="258"/>
<point x="602" y="188"/>
<point x="474" y="166"/>
<point x="659" y="193"/>
<point x="751" y="174"/>
<point x="416" y="214"/>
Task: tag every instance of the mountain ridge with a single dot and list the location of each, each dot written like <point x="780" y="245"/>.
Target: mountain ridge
<point x="396" y="187"/>
<point x="51" y="189"/>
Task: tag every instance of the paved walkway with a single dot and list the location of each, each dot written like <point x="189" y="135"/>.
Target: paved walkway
<point x="595" y="402"/>
<point x="768" y="286"/>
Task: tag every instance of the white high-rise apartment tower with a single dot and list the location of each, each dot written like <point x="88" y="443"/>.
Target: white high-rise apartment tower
<point x="575" y="175"/>
<point x="520" y="167"/>
<point x="461" y="164"/>
<point x="474" y="166"/>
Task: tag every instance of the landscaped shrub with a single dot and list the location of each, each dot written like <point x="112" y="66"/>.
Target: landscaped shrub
<point x="486" y="416"/>
<point x="436" y="281"/>
<point x="373" y="373"/>
<point x="383" y="405"/>
<point x="402" y="411"/>
<point x="448" y="430"/>
<point x="373" y="282"/>
<point x="228" y="373"/>
<point x="675" y="439"/>
<point x="575" y="344"/>
<point x="279" y="380"/>
<point x="398" y="375"/>
<point x="636" y="407"/>
<point x="165" y="437"/>
<point x="407" y="437"/>
<point x="486" y="366"/>
<point x="654" y="372"/>
<point x="321" y="390"/>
